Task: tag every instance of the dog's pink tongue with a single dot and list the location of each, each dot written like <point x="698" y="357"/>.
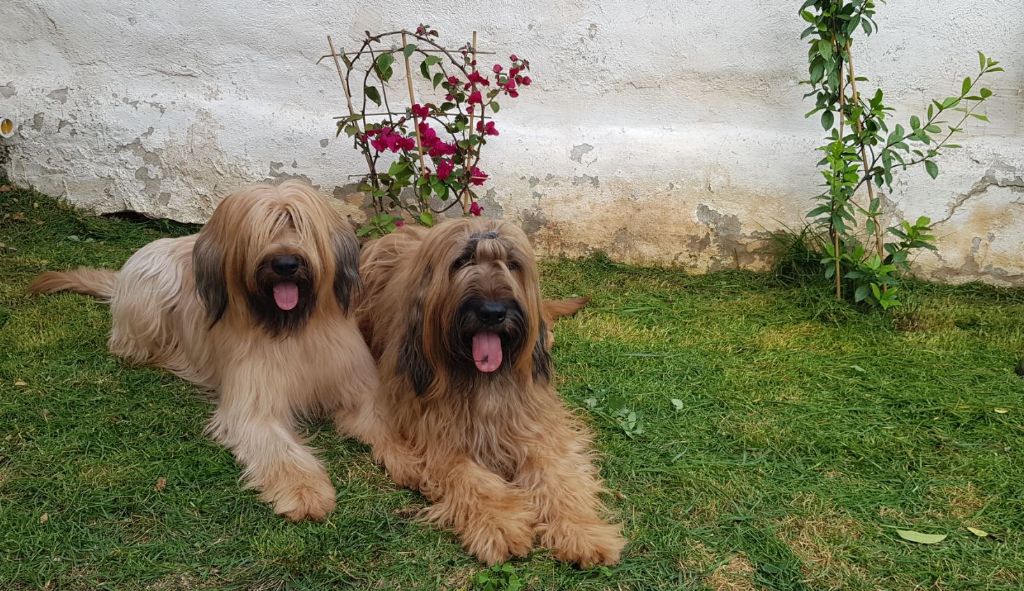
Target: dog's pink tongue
<point x="487" y="351"/>
<point x="286" y="295"/>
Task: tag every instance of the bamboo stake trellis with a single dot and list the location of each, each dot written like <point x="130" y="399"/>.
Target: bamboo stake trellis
<point x="467" y="56"/>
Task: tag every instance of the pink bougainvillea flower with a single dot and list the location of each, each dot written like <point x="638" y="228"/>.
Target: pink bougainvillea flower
<point x="421" y="111"/>
<point x="513" y="58"/>
<point x="475" y="98"/>
<point x="427" y="135"/>
<point x="477" y="176"/>
<point x="525" y="81"/>
<point x="399" y="223"/>
<point x="389" y="140"/>
<point x="442" y="149"/>
<point x="497" y="68"/>
<point x="444" y="169"/>
<point x="513" y="72"/>
<point x="475" y="78"/>
<point x="453" y="80"/>
<point x="476" y="209"/>
<point x="486" y="129"/>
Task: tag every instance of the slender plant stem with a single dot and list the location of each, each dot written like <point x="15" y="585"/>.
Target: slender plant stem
<point x="879" y="244"/>
<point x="469" y="165"/>
<point x="348" y="101"/>
<point x="835" y="231"/>
<point x="412" y="101"/>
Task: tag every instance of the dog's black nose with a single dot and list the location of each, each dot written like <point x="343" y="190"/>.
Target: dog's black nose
<point x="492" y="313"/>
<point x="285" y="264"/>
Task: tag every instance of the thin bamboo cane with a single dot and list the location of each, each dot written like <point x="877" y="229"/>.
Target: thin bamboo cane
<point x="412" y="101"/>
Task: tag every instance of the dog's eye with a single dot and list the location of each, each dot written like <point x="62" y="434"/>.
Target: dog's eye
<point x="460" y="263"/>
<point x="513" y="265"/>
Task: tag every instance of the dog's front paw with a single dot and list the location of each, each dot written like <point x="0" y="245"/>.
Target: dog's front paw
<point x="587" y="545"/>
<point x="499" y="539"/>
<point x="309" y="498"/>
<point x="491" y="533"/>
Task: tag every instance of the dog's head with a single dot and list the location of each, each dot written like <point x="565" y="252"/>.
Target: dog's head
<point x="275" y="253"/>
<point x="479" y="307"/>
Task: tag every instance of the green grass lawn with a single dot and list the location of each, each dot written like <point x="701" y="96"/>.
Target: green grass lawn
<point x="756" y="436"/>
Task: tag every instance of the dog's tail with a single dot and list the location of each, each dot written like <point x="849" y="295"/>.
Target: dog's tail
<point x="555" y="309"/>
<point x="99" y="283"/>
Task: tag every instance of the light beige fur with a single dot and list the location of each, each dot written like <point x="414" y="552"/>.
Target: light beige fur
<point x="499" y="455"/>
<point x="161" y="302"/>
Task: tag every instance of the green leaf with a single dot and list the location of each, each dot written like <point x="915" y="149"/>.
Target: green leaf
<point x="966" y="86"/>
<point x="980" y="117"/>
<point x="950" y="101"/>
<point x="861" y="293"/>
<point x="438" y="78"/>
<point x="920" y="538"/>
<point x="427" y="219"/>
<point x="978" y="532"/>
<point x="981" y="60"/>
<point x="933" y="128"/>
<point x="985" y="93"/>
<point x="827" y="119"/>
<point x="932" y="168"/>
<point x="407" y="51"/>
<point x="382" y="65"/>
<point x="495" y="106"/>
<point x="432" y="60"/>
<point x="825" y="48"/>
<point x="425" y="71"/>
<point x="915" y="122"/>
<point x="372" y="94"/>
<point x="397" y="167"/>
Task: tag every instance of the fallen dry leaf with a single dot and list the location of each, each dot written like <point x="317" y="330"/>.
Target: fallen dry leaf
<point x="44" y="518"/>
<point x="161" y="483"/>
<point x="18" y="216"/>
<point x="920" y="538"/>
<point x="20" y="383"/>
<point x="6" y="188"/>
<point x="1002" y="411"/>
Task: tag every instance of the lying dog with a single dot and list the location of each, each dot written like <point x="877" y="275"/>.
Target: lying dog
<point x="255" y="308"/>
<point x="454" y="317"/>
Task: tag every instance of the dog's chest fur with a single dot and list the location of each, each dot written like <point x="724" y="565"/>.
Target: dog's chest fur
<point x="496" y="420"/>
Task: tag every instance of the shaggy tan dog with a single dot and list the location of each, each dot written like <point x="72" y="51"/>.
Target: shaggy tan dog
<point x="455" y="318"/>
<point x="255" y="307"/>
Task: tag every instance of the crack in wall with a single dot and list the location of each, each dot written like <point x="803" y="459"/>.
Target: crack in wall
<point x="1016" y="184"/>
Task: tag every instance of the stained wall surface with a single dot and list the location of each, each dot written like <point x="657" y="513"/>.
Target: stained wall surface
<point x="660" y="132"/>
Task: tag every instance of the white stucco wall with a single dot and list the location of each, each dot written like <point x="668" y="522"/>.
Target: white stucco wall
<point x="660" y="132"/>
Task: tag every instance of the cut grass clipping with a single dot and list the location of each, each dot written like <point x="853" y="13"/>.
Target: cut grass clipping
<point x="749" y="435"/>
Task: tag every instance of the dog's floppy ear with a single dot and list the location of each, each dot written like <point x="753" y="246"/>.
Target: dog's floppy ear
<point x="345" y="248"/>
<point x="413" y="362"/>
<point x="541" y="356"/>
<point x="208" y="268"/>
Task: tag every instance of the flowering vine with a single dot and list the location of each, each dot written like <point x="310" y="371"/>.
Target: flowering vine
<point x="431" y="148"/>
